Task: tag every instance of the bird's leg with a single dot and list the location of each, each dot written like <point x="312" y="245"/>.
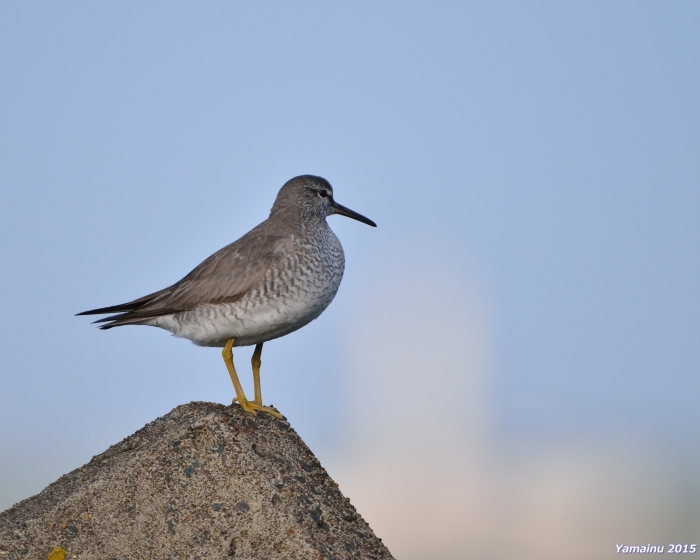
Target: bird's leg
<point x="227" y="353"/>
<point x="257" y="403"/>
<point x="256" y="362"/>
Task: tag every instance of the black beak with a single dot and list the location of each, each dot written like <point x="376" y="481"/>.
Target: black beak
<point x="343" y="211"/>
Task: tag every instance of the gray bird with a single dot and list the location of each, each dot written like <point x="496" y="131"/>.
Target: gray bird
<point x="275" y="279"/>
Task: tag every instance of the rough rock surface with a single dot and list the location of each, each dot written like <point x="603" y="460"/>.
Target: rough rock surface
<point x="204" y="481"/>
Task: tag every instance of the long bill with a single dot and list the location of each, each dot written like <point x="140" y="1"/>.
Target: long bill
<point x="343" y="211"/>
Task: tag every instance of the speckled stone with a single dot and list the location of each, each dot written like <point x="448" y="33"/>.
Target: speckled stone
<point x="204" y="481"/>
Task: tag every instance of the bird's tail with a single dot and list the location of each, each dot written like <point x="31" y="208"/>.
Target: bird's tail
<point x="129" y="313"/>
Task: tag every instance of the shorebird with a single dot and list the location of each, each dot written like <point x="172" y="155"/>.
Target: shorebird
<point x="278" y="277"/>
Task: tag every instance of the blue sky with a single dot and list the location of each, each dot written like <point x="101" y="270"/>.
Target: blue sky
<point x="531" y="290"/>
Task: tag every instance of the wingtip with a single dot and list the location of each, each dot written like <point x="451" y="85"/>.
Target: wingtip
<point x="94" y="312"/>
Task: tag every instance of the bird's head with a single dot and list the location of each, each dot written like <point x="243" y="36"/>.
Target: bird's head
<point x="312" y="196"/>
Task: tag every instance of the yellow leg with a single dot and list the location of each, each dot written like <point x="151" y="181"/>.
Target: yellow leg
<point x="257" y="403"/>
<point x="256" y="362"/>
<point x="227" y="353"/>
<point x="248" y="406"/>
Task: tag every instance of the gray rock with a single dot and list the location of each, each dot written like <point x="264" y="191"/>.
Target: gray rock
<point x="204" y="481"/>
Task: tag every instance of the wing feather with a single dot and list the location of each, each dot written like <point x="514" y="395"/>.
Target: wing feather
<point x="224" y="277"/>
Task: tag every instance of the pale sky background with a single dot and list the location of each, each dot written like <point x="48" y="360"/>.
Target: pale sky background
<point x="510" y="368"/>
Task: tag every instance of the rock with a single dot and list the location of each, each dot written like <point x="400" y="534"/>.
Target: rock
<point x="204" y="481"/>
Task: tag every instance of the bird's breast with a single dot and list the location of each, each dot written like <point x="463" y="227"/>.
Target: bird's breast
<point x="304" y="281"/>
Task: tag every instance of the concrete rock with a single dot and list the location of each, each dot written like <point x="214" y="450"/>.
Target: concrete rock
<point x="204" y="481"/>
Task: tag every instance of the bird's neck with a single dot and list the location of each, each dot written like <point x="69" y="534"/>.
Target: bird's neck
<point x="299" y="217"/>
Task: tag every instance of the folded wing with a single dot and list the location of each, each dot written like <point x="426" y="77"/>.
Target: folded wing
<point x="224" y="277"/>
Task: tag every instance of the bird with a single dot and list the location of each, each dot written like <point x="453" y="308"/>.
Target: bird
<point x="274" y="280"/>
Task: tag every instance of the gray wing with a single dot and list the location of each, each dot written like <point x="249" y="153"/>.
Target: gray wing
<point x="224" y="277"/>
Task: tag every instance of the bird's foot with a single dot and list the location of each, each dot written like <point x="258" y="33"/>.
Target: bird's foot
<point x="273" y="411"/>
<point x="253" y="408"/>
<point x="245" y="405"/>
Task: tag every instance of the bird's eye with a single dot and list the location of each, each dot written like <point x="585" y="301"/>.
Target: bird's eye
<point x="323" y="193"/>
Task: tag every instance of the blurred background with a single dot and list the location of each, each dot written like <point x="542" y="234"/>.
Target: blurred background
<point x="510" y="368"/>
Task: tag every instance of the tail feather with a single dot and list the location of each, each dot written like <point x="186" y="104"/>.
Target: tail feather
<point x="124" y="307"/>
<point x="133" y="317"/>
<point x="131" y="312"/>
